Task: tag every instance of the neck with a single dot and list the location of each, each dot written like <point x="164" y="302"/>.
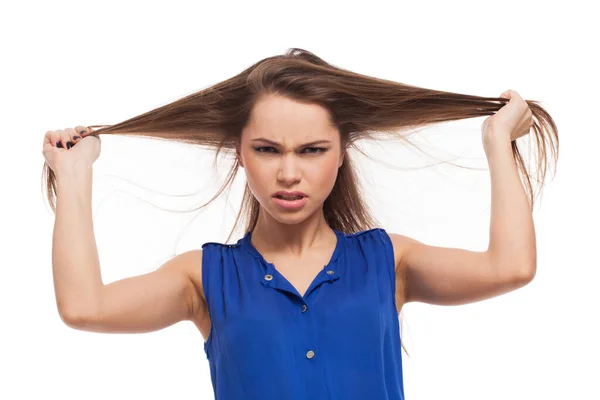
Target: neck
<point x="272" y="236"/>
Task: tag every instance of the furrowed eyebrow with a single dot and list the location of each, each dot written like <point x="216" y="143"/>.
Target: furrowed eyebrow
<point x="302" y="145"/>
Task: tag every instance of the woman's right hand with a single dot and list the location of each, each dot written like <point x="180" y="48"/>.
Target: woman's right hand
<point x="70" y="149"/>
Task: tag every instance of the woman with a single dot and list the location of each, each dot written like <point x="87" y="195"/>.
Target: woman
<point x="305" y="305"/>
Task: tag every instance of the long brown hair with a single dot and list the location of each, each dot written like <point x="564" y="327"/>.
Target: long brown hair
<point x="360" y="106"/>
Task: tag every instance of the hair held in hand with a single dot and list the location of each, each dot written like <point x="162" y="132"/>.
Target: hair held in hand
<point x="362" y="107"/>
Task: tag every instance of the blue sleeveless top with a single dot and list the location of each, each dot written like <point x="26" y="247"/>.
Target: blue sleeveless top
<point x="341" y="340"/>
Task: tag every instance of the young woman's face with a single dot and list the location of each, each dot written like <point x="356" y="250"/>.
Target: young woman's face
<point x="289" y="162"/>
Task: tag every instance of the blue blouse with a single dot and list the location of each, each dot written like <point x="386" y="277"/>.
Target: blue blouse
<point x="341" y="340"/>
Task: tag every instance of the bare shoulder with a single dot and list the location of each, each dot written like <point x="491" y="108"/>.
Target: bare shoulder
<point x="400" y="243"/>
<point x="189" y="265"/>
<point x="191" y="262"/>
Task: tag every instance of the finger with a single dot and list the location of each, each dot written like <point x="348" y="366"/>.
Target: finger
<point x="64" y="138"/>
<point x="506" y="95"/>
<point x="52" y="137"/>
<point x="55" y="138"/>
<point x="50" y="140"/>
<point x="73" y="136"/>
<point x="47" y="148"/>
<point x="82" y="130"/>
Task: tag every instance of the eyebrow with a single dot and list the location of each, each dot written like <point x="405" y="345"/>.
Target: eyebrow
<point x="302" y="145"/>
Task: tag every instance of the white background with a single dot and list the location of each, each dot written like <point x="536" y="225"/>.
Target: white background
<point x="67" y="63"/>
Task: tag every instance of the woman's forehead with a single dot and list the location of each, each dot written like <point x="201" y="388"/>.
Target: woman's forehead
<point x="289" y="123"/>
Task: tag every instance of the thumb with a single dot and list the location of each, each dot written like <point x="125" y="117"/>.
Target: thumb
<point x="485" y="123"/>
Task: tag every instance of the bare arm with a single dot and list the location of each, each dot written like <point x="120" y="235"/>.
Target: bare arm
<point x="137" y="304"/>
<point x="147" y="302"/>
<point x="75" y="263"/>
<point x="449" y="276"/>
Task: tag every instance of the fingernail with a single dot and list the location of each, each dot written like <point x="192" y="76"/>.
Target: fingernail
<point x="59" y="144"/>
<point x="82" y="131"/>
<point x="69" y="145"/>
<point x="75" y="137"/>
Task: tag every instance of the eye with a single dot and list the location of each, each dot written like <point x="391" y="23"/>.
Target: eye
<point x="264" y="149"/>
<point x="319" y="150"/>
<point x="258" y="149"/>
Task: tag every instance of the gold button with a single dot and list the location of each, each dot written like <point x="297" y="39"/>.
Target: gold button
<point x="268" y="277"/>
<point x="310" y="354"/>
<point x="330" y="272"/>
<point x="304" y="307"/>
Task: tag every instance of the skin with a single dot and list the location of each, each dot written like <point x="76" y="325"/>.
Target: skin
<point x="290" y="166"/>
<point x="298" y="242"/>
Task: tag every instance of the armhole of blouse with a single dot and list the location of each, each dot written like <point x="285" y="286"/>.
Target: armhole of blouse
<point x="391" y="265"/>
<point x="206" y="258"/>
<point x="205" y="261"/>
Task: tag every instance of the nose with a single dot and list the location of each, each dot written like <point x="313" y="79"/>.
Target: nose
<point x="289" y="170"/>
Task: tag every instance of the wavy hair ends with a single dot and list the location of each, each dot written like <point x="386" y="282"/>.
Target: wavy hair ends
<point x="360" y="106"/>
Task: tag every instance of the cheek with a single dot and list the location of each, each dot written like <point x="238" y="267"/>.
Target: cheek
<point x="255" y="176"/>
<point x="260" y="177"/>
<point x="323" y="177"/>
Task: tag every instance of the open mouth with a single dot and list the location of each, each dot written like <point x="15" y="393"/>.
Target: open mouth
<point x="289" y="198"/>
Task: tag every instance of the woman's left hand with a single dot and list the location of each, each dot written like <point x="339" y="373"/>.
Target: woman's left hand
<point x="509" y="123"/>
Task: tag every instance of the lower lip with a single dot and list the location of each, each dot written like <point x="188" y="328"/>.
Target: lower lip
<point x="290" y="204"/>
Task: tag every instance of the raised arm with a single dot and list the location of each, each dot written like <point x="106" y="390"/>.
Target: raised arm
<point x="132" y="305"/>
<point x="147" y="302"/>
<point x="448" y="276"/>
